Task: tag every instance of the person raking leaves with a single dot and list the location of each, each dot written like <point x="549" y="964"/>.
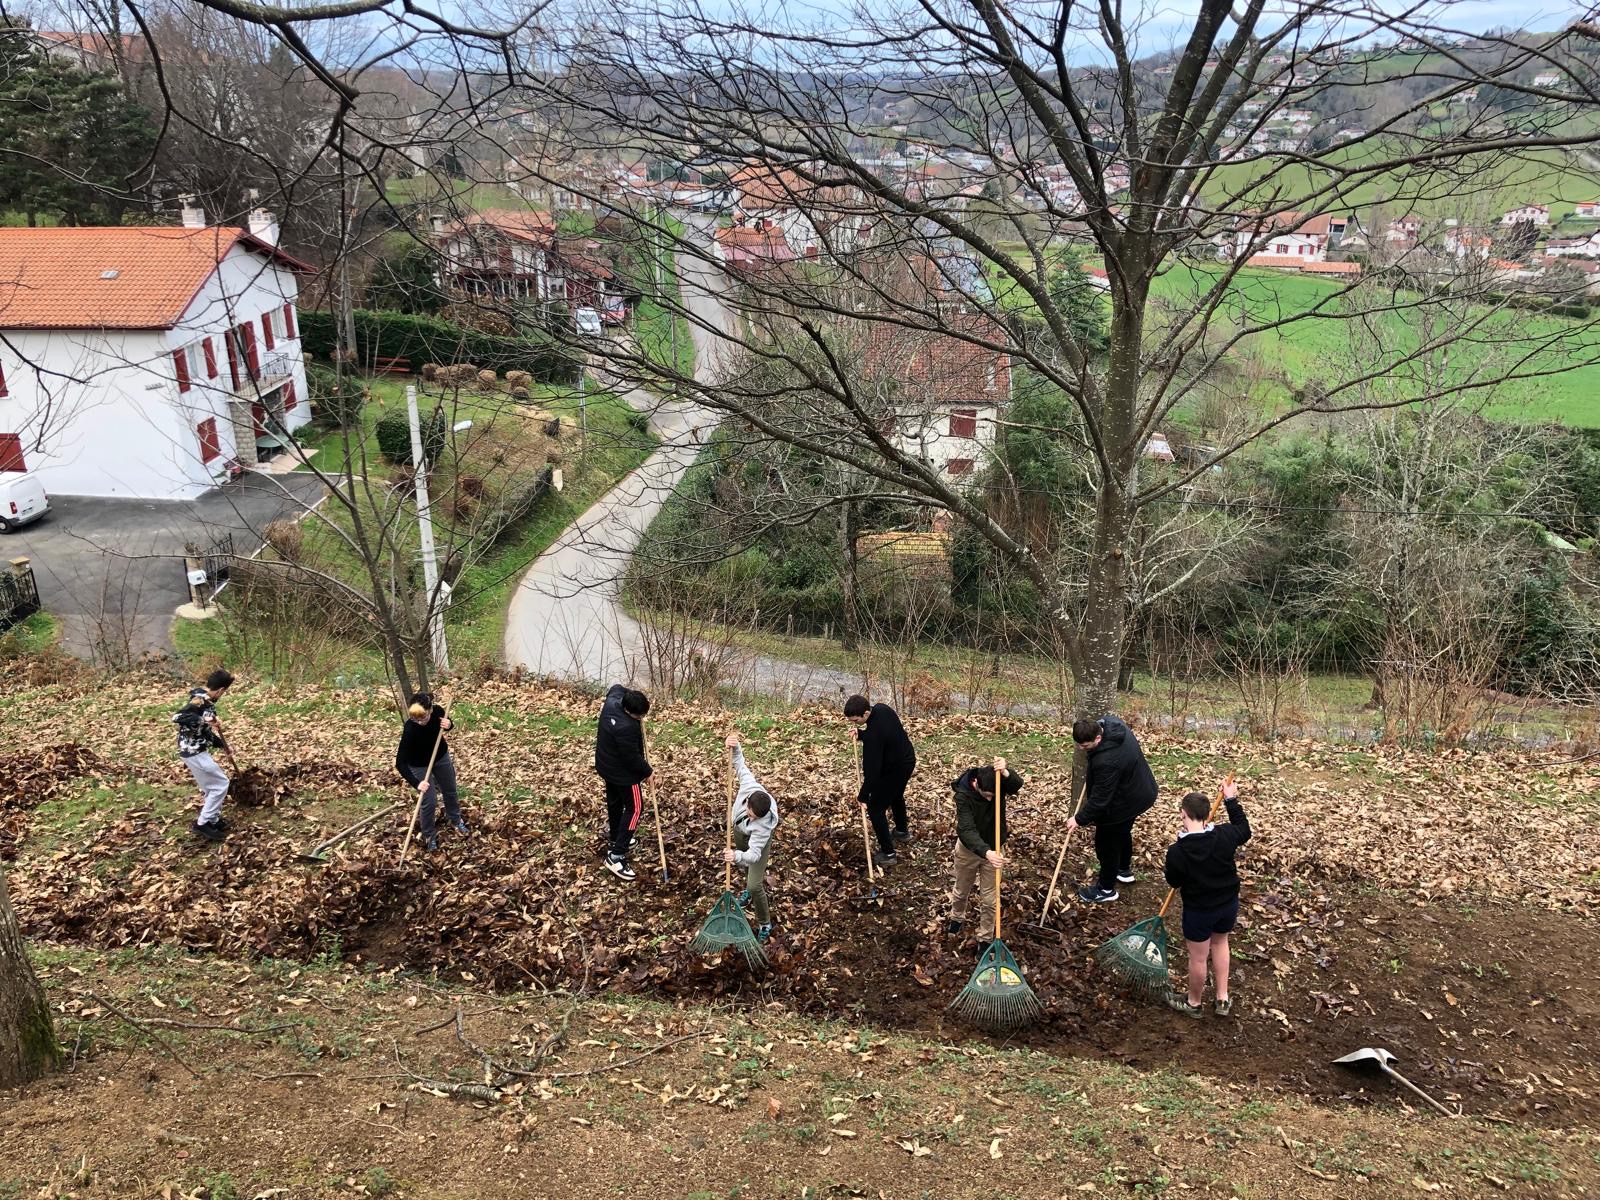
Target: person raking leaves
<point x="755" y="817"/>
<point x="888" y="761"/>
<point x="976" y="860"/>
<point x="425" y="725"/>
<point x="620" y="762"/>
<point x="1118" y="789"/>
<point x="200" y="732"/>
<point x="1200" y="864"/>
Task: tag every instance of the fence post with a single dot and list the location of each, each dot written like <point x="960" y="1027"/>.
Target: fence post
<point x="194" y="565"/>
<point x="19" y="566"/>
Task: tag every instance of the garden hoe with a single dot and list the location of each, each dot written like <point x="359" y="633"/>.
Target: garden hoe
<point x="727" y="925"/>
<point x="997" y="997"/>
<point x="1379" y="1057"/>
<point x="416" y="798"/>
<point x="319" y="852"/>
<point x="1138" y="955"/>
<point x="872" y="895"/>
<point x="1042" y="931"/>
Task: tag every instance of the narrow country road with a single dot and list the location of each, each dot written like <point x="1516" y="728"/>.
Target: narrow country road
<point x="565" y="620"/>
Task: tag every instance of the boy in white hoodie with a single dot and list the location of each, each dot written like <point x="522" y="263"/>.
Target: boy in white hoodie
<point x="755" y="816"/>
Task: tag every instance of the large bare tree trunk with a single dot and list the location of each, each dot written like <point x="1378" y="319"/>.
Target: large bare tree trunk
<point x="27" y="1035"/>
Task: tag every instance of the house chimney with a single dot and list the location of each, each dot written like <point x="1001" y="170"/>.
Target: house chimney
<point x="194" y="217"/>
<point x="264" y="225"/>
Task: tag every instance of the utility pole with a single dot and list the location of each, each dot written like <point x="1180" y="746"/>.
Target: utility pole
<point x="430" y="560"/>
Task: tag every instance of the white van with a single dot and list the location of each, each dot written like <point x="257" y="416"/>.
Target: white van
<point x="22" y="499"/>
<point x="587" y="321"/>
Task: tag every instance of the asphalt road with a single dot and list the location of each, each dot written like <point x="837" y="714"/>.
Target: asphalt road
<point x="112" y="569"/>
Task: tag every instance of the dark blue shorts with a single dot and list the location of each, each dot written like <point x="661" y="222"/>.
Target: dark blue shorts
<point x="1200" y="923"/>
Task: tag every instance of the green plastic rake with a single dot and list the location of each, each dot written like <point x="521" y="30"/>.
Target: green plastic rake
<point x="1137" y="957"/>
<point x="726" y="925"/>
<point x="997" y="997"/>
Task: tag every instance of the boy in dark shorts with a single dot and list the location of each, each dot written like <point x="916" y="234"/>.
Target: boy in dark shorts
<point x="1200" y="864"/>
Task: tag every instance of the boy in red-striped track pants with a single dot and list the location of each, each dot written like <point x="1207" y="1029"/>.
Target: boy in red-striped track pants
<point x="619" y="761"/>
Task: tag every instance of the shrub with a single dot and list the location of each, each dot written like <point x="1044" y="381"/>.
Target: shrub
<point x="486" y="380"/>
<point x="520" y="394"/>
<point x="286" y="538"/>
<point x="336" y="401"/>
<point x="518" y="379"/>
<point x="422" y="339"/>
<point x="394" y="437"/>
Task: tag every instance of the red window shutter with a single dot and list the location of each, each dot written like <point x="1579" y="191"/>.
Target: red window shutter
<point x="252" y="355"/>
<point x="964" y="423"/>
<point x="211" y="358"/>
<point x="210" y="448"/>
<point x="266" y="330"/>
<point x="11" y="452"/>
<point x="289" y="398"/>
<point x="4" y="391"/>
<point x="258" y="418"/>
<point x="960" y="466"/>
<point x="289" y="328"/>
<point x="180" y="360"/>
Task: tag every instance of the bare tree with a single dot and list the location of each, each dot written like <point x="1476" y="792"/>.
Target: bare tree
<point x="27" y="1035"/>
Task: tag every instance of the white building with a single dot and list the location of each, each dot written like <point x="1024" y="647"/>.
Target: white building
<point x="1304" y="236"/>
<point x="1574" y="247"/>
<point x="1534" y="214"/>
<point x="1547" y="79"/>
<point x="1589" y="210"/>
<point x="150" y="362"/>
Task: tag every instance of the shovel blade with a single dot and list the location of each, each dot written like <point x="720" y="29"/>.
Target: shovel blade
<point x="1367" y="1054"/>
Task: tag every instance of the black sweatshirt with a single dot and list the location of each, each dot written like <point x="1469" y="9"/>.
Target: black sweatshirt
<point x="1201" y="864"/>
<point x="975" y="813"/>
<point x="1120" y="785"/>
<point x="886" y="751"/>
<point x="619" y="743"/>
<point x="416" y="742"/>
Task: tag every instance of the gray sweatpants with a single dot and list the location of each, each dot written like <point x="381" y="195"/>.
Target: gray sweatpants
<point x="213" y="782"/>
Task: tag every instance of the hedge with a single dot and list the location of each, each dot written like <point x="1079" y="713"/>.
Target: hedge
<point x="394" y="436"/>
<point x="418" y="339"/>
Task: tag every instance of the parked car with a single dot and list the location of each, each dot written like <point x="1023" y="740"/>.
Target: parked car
<point x="22" y="499"/>
<point x="587" y="322"/>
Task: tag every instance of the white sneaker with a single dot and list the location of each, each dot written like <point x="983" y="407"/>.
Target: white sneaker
<point x="620" y="868"/>
<point x="1126" y="876"/>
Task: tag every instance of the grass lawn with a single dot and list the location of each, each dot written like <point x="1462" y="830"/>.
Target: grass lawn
<point x="29" y="636"/>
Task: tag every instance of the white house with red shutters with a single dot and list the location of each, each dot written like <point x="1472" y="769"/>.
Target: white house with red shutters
<point x="148" y="362"/>
<point x="1534" y="214"/>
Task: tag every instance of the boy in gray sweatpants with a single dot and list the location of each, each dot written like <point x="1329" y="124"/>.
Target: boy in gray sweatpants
<point x="199" y="732"/>
<point x="755" y="816"/>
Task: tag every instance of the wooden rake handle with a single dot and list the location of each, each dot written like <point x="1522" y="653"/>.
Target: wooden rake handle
<point x="427" y="775"/>
<point x="1049" y="896"/>
<point x="1216" y="807"/>
<point x="866" y="840"/>
<point x="999" y="820"/>
<point x="655" y="808"/>
<point x="728" y="881"/>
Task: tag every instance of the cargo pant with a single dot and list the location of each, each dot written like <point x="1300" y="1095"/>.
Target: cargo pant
<point x="755" y="879"/>
<point x="213" y="783"/>
<point x="974" y="868"/>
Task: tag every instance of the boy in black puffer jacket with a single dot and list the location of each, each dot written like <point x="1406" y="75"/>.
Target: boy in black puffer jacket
<point x="1201" y="865"/>
<point x="619" y="760"/>
<point x="1118" y="789"/>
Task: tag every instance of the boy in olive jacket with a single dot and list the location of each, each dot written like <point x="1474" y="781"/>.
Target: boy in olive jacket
<point x="976" y="861"/>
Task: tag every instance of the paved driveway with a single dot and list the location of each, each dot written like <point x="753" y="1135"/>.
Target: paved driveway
<point x="112" y="569"/>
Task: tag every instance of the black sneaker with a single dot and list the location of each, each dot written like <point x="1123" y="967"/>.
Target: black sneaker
<point x="952" y="926"/>
<point x="902" y="836"/>
<point x="431" y="843"/>
<point x="1126" y="877"/>
<point x="223" y="824"/>
<point x="884" y="861"/>
<point x="763" y="932"/>
<point x="1180" y="1002"/>
<point x="459" y="826"/>
<point x="211" y="831"/>
<point x="620" y="868"/>
<point x="1092" y="894"/>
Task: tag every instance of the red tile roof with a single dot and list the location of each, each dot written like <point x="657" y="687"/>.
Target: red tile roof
<point x="524" y="225"/>
<point x="1328" y="268"/>
<point x="112" y="277"/>
<point x="945" y="368"/>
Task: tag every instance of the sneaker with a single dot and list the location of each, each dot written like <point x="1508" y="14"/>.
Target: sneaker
<point x="620" y="868"/>
<point x="212" y="831"/>
<point x="763" y="932"/>
<point x="1223" y="1007"/>
<point x="884" y="861"/>
<point x="1180" y="1002"/>
<point x="431" y="843"/>
<point x="1092" y="894"/>
<point x="952" y="926"/>
<point x="743" y="899"/>
<point x="902" y="836"/>
<point x="1126" y="876"/>
<point x="459" y="826"/>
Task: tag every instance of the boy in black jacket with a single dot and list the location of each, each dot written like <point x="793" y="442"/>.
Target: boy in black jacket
<point x="976" y="859"/>
<point x="1118" y="789"/>
<point x="424" y="729"/>
<point x="619" y="760"/>
<point x="1200" y="864"/>
<point x="888" y="761"/>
